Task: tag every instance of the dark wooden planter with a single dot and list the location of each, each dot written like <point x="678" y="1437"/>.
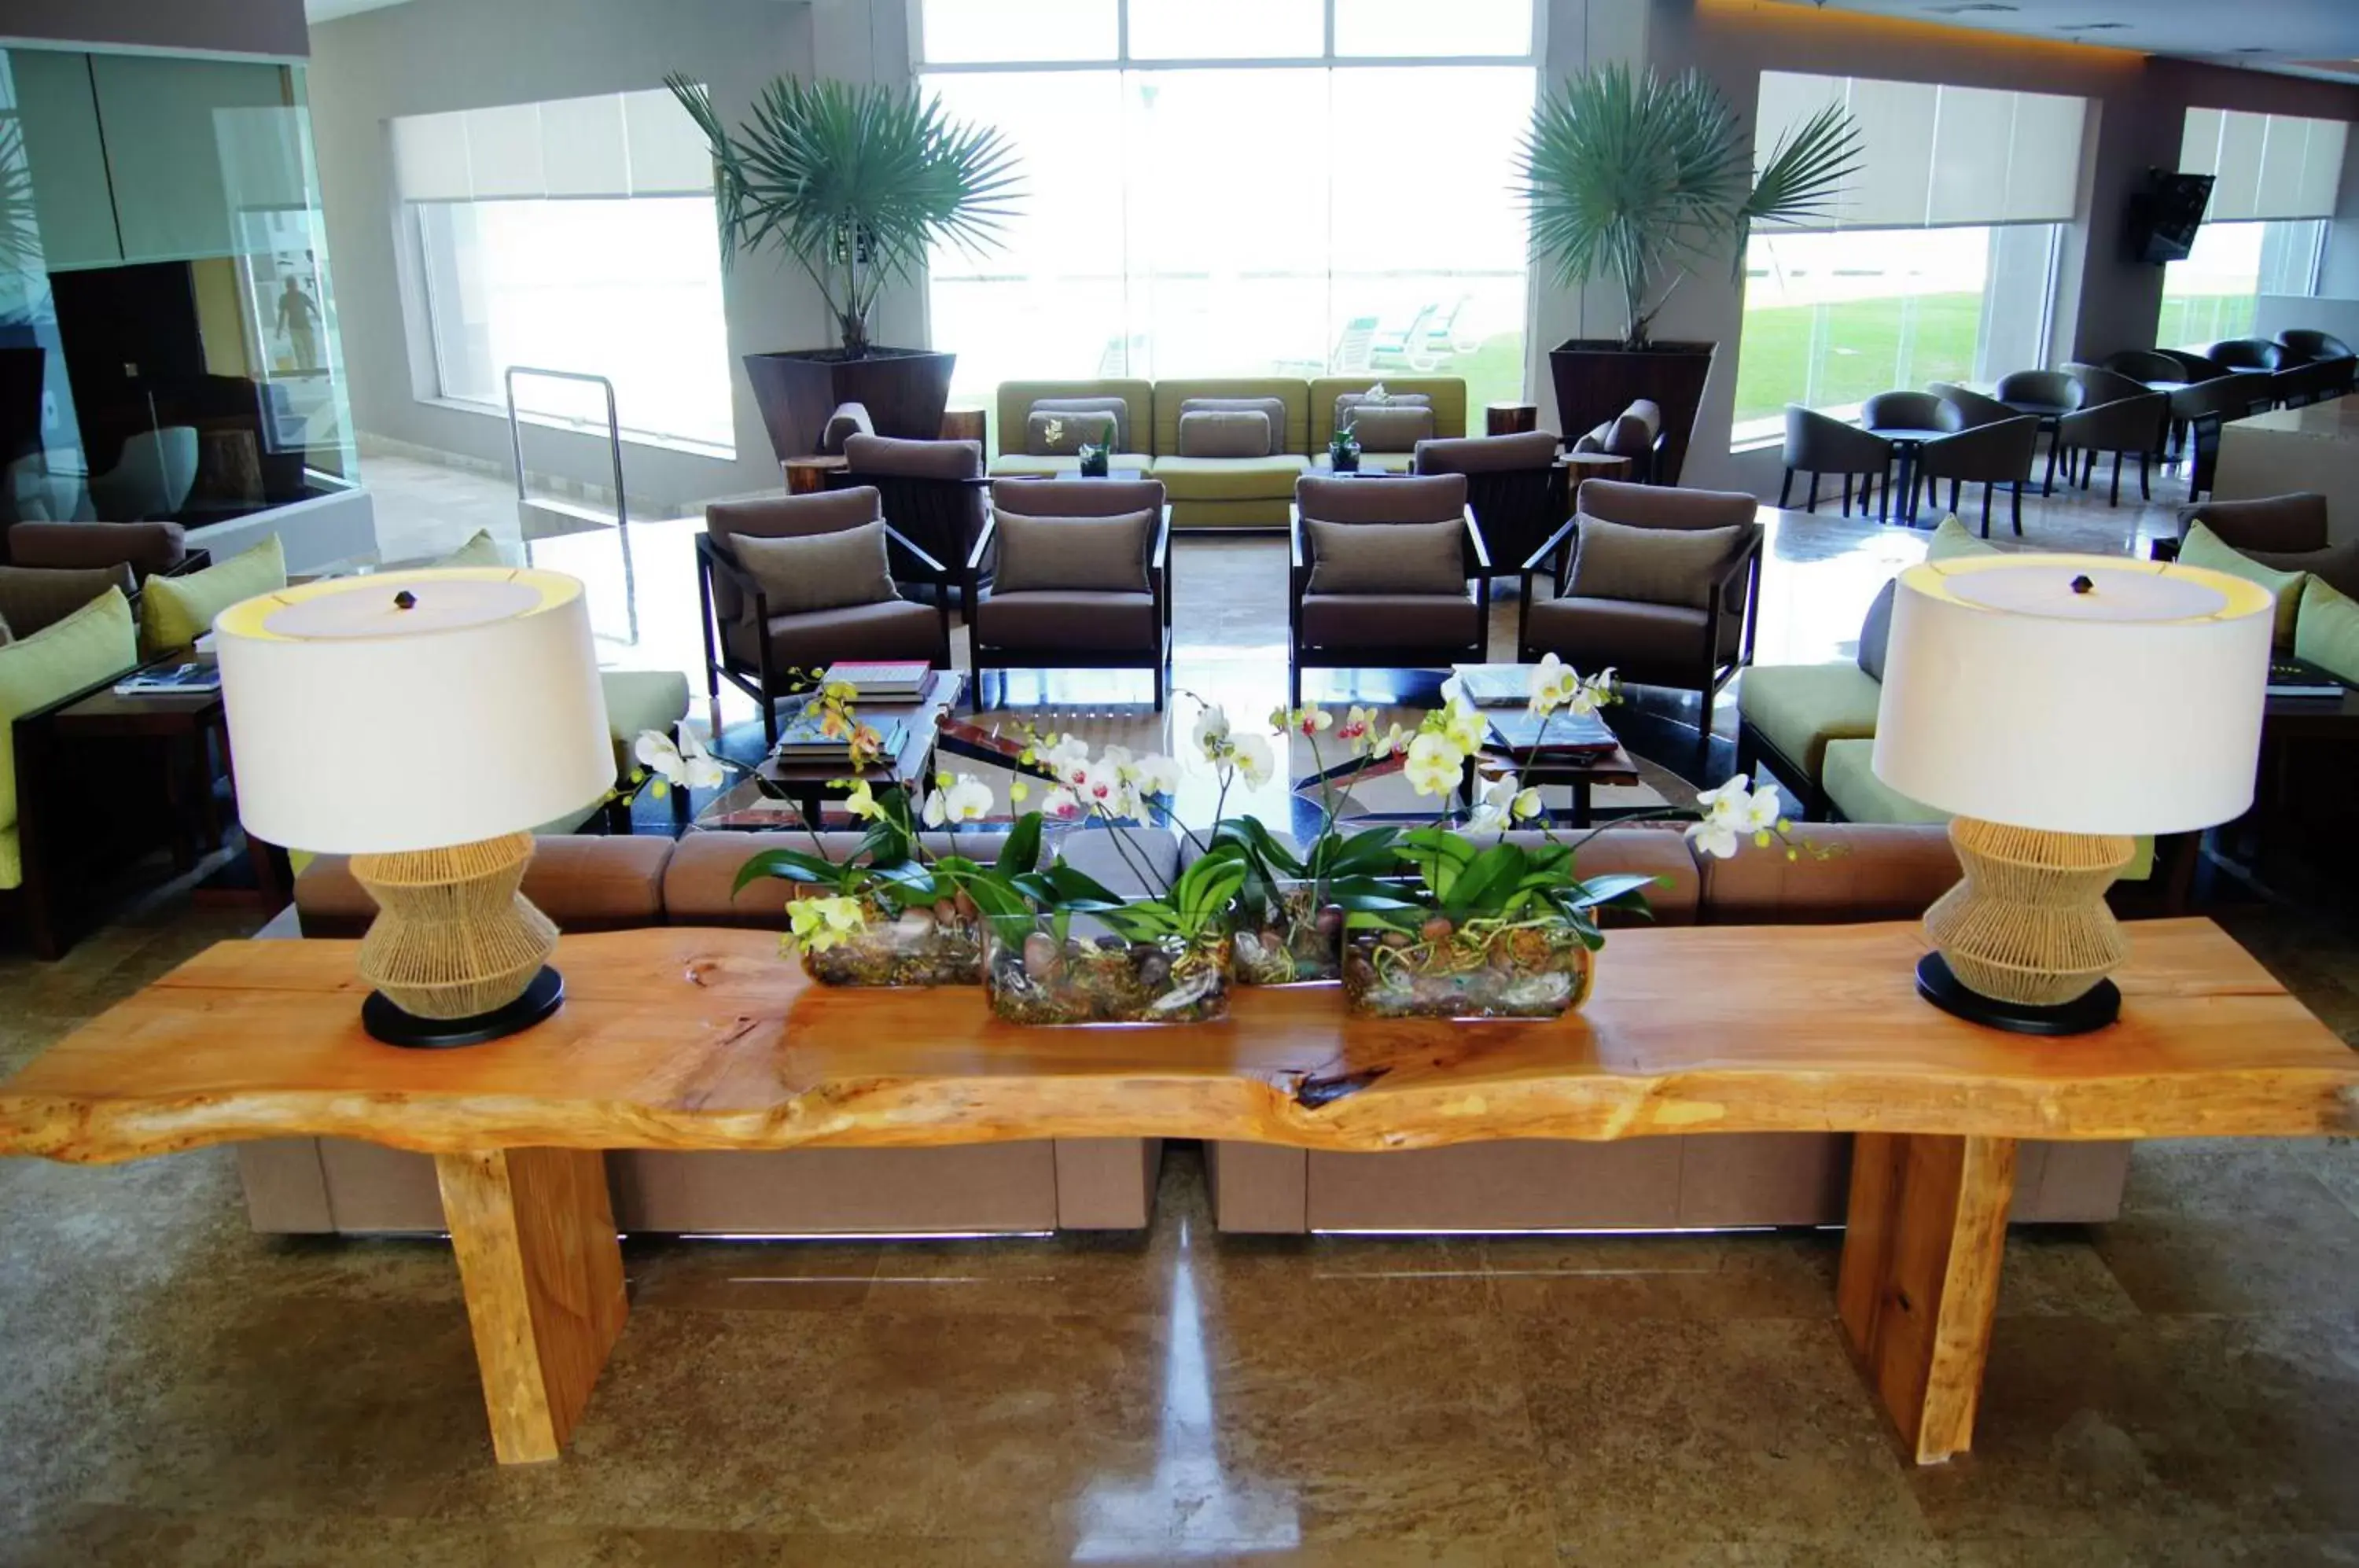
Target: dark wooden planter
<point x="904" y="391"/>
<point x="1596" y="378"/>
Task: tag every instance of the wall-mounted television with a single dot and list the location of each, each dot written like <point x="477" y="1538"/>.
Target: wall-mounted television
<point x="2164" y="216"/>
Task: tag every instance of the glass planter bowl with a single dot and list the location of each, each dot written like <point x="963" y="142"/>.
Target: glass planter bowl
<point x="940" y="945"/>
<point x="1537" y="969"/>
<point x="1036" y="979"/>
<point x="1299" y="943"/>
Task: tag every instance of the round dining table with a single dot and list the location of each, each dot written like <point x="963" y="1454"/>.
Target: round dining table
<point x="1907" y="441"/>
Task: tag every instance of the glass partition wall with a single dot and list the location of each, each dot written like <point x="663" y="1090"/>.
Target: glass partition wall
<point x="166" y="312"/>
<point x="2275" y="181"/>
<point x="1242" y="188"/>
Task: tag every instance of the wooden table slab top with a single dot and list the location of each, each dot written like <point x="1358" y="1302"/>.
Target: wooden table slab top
<point x="683" y="1037"/>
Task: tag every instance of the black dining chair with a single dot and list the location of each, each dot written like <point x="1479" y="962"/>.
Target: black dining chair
<point x="2048" y="396"/>
<point x="1818" y="443"/>
<point x="1991" y="454"/>
<point x="2312" y="345"/>
<point x="2146" y="365"/>
<point x="2248" y="353"/>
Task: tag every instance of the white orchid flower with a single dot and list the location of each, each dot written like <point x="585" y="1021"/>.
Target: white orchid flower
<point x="1383" y="745"/>
<point x="1358" y="725"/>
<point x="1212" y="732"/>
<point x="1435" y="765"/>
<point x="1104" y="790"/>
<point x="1553" y="684"/>
<point x="817" y="924"/>
<point x="1465" y="725"/>
<point x="967" y="800"/>
<point x="686" y="765"/>
<point x="1308" y="719"/>
<point x="1155" y="774"/>
<point x="1591" y="694"/>
<point x="1453" y="692"/>
<point x="861" y="801"/>
<point x="1714" y="838"/>
<point x="1255" y="761"/>
<point x="1062" y="805"/>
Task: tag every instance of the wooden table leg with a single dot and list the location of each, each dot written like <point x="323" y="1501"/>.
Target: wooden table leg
<point x="1920" y="1281"/>
<point x="543" y="1277"/>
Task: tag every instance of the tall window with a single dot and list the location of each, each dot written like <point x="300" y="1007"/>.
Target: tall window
<point x="576" y="234"/>
<point x="2275" y="179"/>
<point x="1236" y="192"/>
<point x="1937" y="263"/>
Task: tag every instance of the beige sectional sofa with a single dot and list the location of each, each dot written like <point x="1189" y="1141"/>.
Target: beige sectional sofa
<point x="1218" y="492"/>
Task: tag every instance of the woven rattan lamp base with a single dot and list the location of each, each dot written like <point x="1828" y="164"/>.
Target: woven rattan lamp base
<point x="2025" y="941"/>
<point x="456" y="955"/>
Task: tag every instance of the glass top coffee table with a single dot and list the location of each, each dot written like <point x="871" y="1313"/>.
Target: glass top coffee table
<point x="784" y="792"/>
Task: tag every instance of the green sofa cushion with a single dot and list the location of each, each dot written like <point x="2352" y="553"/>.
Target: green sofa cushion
<point x="1231" y="478"/>
<point x="176" y="611"/>
<point x="481" y="549"/>
<point x="2203" y="548"/>
<point x="1953" y="539"/>
<point x="2327" y="634"/>
<point x="96" y="643"/>
<point x="1854" y="789"/>
<point x="1799" y="708"/>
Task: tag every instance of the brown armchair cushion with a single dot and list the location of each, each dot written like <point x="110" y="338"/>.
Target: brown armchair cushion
<point x="1487" y="454"/>
<point x="1386" y="427"/>
<point x="1649" y="566"/>
<point x="819" y="572"/>
<point x="1064" y="618"/>
<point x="2290" y="522"/>
<point x="1386" y="558"/>
<point x="1087" y="554"/>
<point x="1391" y="620"/>
<point x="32" y="598"/>
<point x="898" y="458"/>
<point x="1591" y="634"/>
<point x="1271" y="409"/>
<point x="1047" y="433"/>
<point x="2337" y="567"/>
<point x="1224" y="432"/>
<point x="895" y="628"/>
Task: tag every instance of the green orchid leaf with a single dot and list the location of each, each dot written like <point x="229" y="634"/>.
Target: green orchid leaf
<point x="789" y="865"/>
<point x="1487" y="880"/>
<point x="1022" y="850"/>
<point x="1616" y="891"/>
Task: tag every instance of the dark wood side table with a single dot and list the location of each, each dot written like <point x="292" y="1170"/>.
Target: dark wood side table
<point x="809" y="475"/>
<point x="1510" y="419"/>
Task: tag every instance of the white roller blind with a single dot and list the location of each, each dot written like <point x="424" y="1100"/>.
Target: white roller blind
<point x="2270" y="167"/>
<point x="1935" y="156"/>
<point x="615" y="144"/>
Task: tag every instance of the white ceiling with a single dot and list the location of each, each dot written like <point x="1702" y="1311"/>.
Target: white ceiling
<point x="2314" y="37"/>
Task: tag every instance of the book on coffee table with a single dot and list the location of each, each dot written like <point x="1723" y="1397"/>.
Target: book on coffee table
<point x="884" y="680"/>
<point x="1559" y="734"/>
<point x="1495" y="685"/>
<point x="166" y="680"/>
<point x="2290" y="677"/>
<point x="804" y="741"/>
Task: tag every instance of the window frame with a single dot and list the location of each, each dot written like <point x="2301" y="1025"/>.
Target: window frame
<point x="1125" y="61"/>
<point x="430" y="379"/>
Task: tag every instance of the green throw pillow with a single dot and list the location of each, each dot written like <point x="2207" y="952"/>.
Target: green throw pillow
<point x="93" y="644"/>
<point x="2203" y="548"/>
<point x="481" y="551"/>
<point x="1954" y="539"/>
<point x="176" y="611"/>
<point x="2327" y="632"/>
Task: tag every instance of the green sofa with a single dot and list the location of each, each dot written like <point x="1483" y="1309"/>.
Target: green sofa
<point x="1218" y="491"/>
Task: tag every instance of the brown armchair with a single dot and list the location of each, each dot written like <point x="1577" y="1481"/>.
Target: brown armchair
<point x="148" y="549"/>
<point x="757" y="645"/>
<point x="1692" y="645"/>
<point x="1372" y="582"/>
<point x="2271" y="525"/>
<point x="1513" y="484"/>
<point x="1820" y="443"/>
<point x="932" y="492"/>
<point x="1636" y="434"/>
<point x="1989" y="454"/>
<point x="1102" y="601"/>
<point x="2121" y="426"/>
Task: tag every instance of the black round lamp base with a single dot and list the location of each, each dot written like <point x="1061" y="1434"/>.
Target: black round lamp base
<point x="2093" y="1009"/>
<point x="390" y="1024"/>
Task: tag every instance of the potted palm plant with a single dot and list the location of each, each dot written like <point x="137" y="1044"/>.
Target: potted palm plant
<point x="1636" y="179"/>
<point x="855" y="184"/>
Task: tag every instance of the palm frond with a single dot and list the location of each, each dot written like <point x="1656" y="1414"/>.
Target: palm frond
<point x="1632" y="176"/>
<point x="854" y="183"/>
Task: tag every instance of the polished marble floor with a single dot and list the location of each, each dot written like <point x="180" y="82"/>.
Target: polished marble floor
<point x="2178" y="1388"/>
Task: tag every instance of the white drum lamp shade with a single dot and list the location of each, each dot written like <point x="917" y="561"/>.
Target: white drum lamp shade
<point x="422" y="722"/>
<point x="359" y="727"/>
<point x="2134" y="707"/>
<point x="2056" y="706"/>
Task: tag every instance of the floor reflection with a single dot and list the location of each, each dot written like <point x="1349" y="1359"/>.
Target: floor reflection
<point x="1210" y="1514"/>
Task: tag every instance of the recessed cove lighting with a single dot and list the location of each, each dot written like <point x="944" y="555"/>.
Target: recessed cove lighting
<point x="2092" y="26"/>
<point x="1969" y="8"/>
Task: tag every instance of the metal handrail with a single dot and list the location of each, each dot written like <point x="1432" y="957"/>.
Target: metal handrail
<point x="614" y="448"/>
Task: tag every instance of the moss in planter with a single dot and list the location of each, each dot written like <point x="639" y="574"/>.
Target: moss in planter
<point x="1108" y="980"/>
<point x="1299" y="943"/>
<point x="1536" y="969"/>
<point x="937" y="946"/>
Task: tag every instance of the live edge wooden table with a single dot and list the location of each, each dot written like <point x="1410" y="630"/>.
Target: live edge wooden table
<point x="679" y="1038"/>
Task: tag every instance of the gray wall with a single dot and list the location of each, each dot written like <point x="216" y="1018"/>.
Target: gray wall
<point x="2104" y="302"/>
<point x="219" y="27"/>
<point x="430" y="56"/>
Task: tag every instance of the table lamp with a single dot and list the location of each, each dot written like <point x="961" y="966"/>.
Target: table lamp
<point x="2057" y="705"/>
<point x="422" y="722"/>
